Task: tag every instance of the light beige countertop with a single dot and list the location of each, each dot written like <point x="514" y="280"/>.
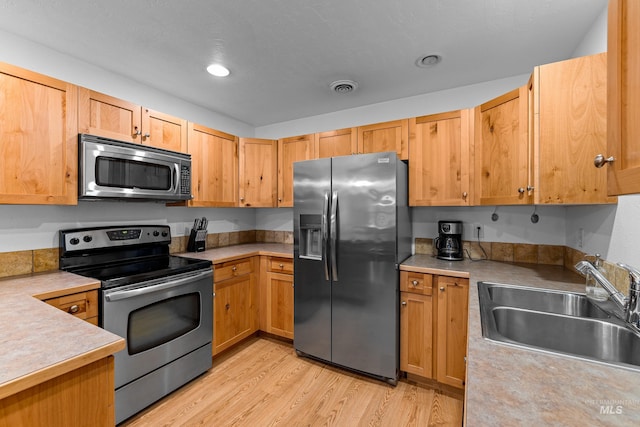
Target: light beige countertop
<point x="513" y="386"/>
<point x="232" y="253"/>
<point x="39" y="342"/>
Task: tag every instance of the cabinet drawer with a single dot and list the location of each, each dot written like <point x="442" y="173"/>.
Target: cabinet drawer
<point x="419" y="283"/>
<point x="83" y="305"/>
<point x="281" y="265"/>
<point x="227" y="270"/>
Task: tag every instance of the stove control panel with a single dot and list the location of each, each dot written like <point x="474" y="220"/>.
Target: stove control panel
<point x="82" y="239"/>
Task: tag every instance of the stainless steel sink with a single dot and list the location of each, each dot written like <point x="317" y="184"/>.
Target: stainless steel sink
<point x="558" y="322"/>
<point x="571" y="304"/>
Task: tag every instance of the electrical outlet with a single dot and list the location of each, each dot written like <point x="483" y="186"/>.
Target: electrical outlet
<point x="478" y="231"/>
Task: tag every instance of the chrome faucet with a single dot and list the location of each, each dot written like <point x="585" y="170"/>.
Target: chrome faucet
<point x="629" y="305"/>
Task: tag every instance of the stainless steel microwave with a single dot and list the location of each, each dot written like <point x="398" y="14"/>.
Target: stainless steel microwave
<point x="110" y="169"/>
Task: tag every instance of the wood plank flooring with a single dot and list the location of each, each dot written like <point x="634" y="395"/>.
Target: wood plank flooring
<point x="263" y="383"/>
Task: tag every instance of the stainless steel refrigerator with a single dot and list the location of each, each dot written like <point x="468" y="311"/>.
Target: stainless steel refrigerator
<point x="352" y="229"/>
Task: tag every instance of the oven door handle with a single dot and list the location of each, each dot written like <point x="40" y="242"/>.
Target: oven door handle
<point x="138" y="291"/>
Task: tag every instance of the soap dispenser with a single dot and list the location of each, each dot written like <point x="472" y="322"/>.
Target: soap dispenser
<point x="593" y="288"/>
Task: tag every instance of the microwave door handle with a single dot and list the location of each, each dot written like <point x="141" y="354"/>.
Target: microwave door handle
<point x="176" y="178"/>
<point x="131" y="293"/>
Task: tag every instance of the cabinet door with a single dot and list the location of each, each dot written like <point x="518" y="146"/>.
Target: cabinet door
<point x="388" y="136"/>
<point x="453" y="302"/>
<point x="439" y="167"/>
<point x="342" y="142"/>
<point x="280" y="304"/>
<point x="503" y="156"/>
<point x="416" y="330"/>
<point x="234" y="315"/>
<point x="164" y="131"/>
<point x="291" y="150"/>
<point x="570" y="129"/>
<point x="214" y="167"/>
<point x="623" y="99"/>
<point x="38" y="139"/>
<point x="258" y="166"/>
<point x="110" y="117"/>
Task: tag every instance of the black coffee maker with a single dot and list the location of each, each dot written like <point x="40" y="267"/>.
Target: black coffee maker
<point x="449" y="240"/>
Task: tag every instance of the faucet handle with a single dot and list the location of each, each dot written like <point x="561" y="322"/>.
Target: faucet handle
<point x="634" y="276"/>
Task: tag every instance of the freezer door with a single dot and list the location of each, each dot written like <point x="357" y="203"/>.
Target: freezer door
<point x="365" y="279"/>
<point x="312" y="286"/>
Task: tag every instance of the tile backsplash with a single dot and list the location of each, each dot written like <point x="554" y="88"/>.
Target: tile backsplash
<point x="529" y="253"/>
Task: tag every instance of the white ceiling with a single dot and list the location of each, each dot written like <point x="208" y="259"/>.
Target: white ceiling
<point x="284" y="53"/>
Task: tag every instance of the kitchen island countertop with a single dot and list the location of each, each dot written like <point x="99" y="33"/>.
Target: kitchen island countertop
<point x="514" y="386"/>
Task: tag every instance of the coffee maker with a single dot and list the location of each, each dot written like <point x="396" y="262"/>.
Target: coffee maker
<point x="449" y="240"/>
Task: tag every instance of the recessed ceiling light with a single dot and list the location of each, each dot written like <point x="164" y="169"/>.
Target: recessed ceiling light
<point x="427" y="61"/>
<point x="343" y="86"/>
<point x="218" y="70"/>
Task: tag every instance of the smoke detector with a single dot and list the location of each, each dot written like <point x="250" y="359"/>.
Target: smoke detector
<point x="343" y="86"/>
<point x="427" y="61"/>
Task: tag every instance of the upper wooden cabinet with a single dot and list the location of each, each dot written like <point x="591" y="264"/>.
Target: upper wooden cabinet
<point x="503" y="153"/>
<point x="38" y="138"/>
<point x="291" y="150"/>
<point x="440" y="169"/>
<point x="110" y="117"/>
<point x="258" y="166"/>
<point x="214" y="167"/>
<point x="623" y="99"/>
<point x="568" y="129"/>
<point x="387" y="136"/>
<point x="342" y="142"/>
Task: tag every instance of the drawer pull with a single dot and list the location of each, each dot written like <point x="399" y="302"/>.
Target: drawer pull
<point x="227" y="306"/>
<point x="74" y="309"/>
<point x="404" y="303"/>
<point x="234" y="268"/>
<point x="415" y="282"/>
<point x="281" y="265"/>
<point x="442" y="288"/>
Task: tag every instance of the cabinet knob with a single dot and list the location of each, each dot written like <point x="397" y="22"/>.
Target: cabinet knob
<point x="530" y="187"/>
<point x="74" y="309"/>
<point x="136" y="131"/>
<point x="464" y="195"/>
<point x="442" y="288"/>
<point x="147" y="135"/>
<point x="414" y="282"/>
<point x="599" y="161"/>
<point x="404" y="303"/>
<point x="242" y="199"/>
<point x="279" y="199"/>
<point x="234" y="268"/>
<point x="521" y="190"/>
<point x="227" y="306"/>
<point x="281" y="265"/>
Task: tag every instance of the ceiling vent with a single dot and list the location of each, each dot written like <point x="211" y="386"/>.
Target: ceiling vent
<point x="343" y="86"/>
<point x="428" y="61"/>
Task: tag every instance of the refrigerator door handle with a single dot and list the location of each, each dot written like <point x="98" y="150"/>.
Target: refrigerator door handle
<point x="325" y="235"/>
<point x="333" y="231"/>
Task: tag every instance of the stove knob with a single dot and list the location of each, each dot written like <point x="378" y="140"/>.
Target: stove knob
<point x="165" y="234"/>
<point x="87" y="238"/>
<point x="74" y="241"/>
<point x="156" y="233"/>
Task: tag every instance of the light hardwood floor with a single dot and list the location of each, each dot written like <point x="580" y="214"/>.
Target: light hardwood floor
<point x="263" y="383"/>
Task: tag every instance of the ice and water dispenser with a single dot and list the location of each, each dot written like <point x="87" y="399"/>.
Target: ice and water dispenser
<point x="311" y="236"/>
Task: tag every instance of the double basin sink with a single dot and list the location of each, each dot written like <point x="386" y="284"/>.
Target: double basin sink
<point x="558" y="322"/>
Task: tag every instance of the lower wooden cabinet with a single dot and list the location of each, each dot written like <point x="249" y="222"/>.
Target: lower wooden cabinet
<point x="83" y="305"/>
<point x="235" y="302"/>
<point x="433" y="326"/>
<point x="278" y="300"/>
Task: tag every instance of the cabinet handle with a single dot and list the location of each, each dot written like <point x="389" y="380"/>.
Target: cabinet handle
<point x="281" y="265"/>
<point x="147" y="135"/>
<point x="442" y="288"/>
<point x="414" y="282"/>
<point x="599" y="161"/>
<point x="464" y="195"/>
<point x="234" y="268"/>
<point x="521" y="190"/>
<point x="136" y="131"/>
<point x="279" y="199"/>
<point x="404" y="303"/>
<point x="242" y="199"/>
<point x="530" y="187"/>
<point x="227" y="306"/>
<point x="74" y="309"/>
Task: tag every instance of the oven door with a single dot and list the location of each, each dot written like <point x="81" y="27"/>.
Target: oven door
<point x="161" y="320"/>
